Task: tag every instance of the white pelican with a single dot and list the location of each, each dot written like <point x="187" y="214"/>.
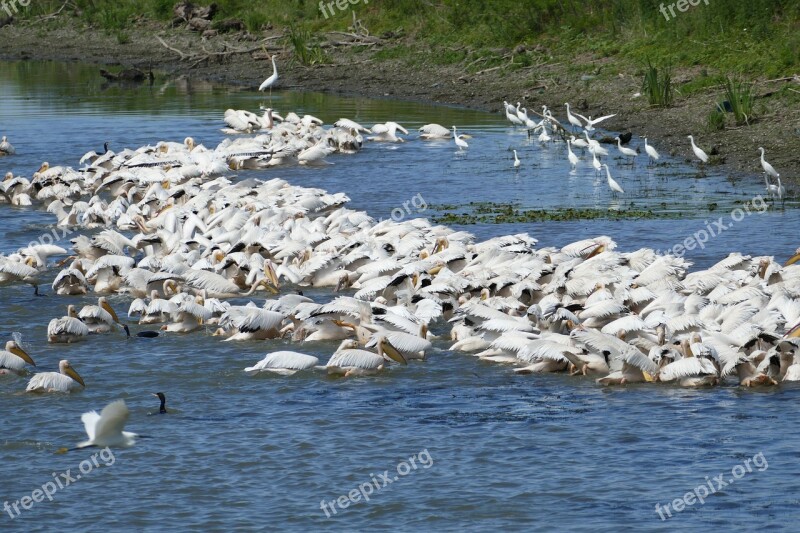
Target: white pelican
<point x="5" y="147"/>
<point x="284" y="363"/>
<point x="350" y="361"/>
<point x="105" y="430"/>
<point x="12" y="271"/>
<point x="67" y="329"/>
<point x="13" y="359"/>
<point x="99" y="318"/>
<point x="65" y="380"/>
<point x="698" y="152"/>
<point x="269" y="82"/>
<point x="434" y="131"/>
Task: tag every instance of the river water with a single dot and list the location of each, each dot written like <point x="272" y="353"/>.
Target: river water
<point x="490" y="449"/>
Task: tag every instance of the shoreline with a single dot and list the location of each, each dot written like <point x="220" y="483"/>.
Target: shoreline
<point x="360" y="73"/>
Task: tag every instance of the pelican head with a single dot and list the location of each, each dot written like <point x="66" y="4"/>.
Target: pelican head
<point x="103" y="303"/>
<point x="44" y="167"/>
<point x="9" y="176"/>
<point x="389" y="352"/>
<point x="794" y="259"/>
<point x="65" y="368"/>
<point x="71" y="312"/>
<point x="13" y="347"/>
<point x="189" y="142"/>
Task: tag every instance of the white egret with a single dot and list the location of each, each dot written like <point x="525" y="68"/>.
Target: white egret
<point x="698" y="152"/>
<point x="651" y="152"/>
<point x="269" y="82"/>
<point x="612" y="184"/>
<point x="627" y="152"/>
<point x="573" y="159"/>
<point x="575" y="121"/>
<point x="767" y="167"/>
<point x="516" y="160"/>
<point x="461" y="143"/>
<point x="106" y="429"/>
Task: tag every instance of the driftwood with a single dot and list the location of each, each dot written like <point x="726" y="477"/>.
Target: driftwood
<point x="206" y="55"/>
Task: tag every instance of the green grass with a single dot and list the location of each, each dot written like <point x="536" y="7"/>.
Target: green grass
<point x="740" y="94"/>
<point x="752" y="37"/>
<point x="657" y="85"/>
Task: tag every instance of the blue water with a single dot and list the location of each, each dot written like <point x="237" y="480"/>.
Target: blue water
<point x="500" y="450"/>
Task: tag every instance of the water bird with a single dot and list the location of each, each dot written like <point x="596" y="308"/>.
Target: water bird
<point x="5" y="147"/>
<point x="461" y="143"/>
<point x="575" y="121"/>
<point x="698" y="152"/>
<point x="516" y="160"/>
<point x="67" y="329"/>
<point x="769" y="169"/>
<point x="627" y="152"/>
<point x="269" y="82"/>
<point x="285" y="363"/>
<point x="65" y="380"/>
<point x="162" y="408"/>
<point x="106" y="429"/>
<point x="434" y="131"/>
<point x="148" y="334"/>
<point x="652" y="154"/>
<point x="612" y="184"/>
<point x="573" y="159"/>
<point x="13" y="359"/>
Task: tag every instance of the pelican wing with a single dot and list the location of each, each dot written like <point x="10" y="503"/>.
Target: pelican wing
<point x="402" y="342"/>
<point x="627" y="324"/>
<point x="284" y="360"/>
<point x="633" y="357"/>
<point x="11" y="361"/>
<point x="67" y="326"/>
<point x="687" y="367"/>
<point x="260" y="320"/>
<point x="51" y="381"/>
<point x="361" y="359"/>
<point x="542" y="349"/>
<point x="599" y="342"/>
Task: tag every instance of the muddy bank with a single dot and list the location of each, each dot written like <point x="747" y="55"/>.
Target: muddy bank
<point x="609" y="87"/>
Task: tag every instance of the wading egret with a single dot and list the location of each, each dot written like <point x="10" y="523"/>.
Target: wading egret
<point x="461" y="143"/>
<point x="612" y="184"/>
<point x="269" y="82"/>
<point x="651" y="152"/>
<point x="698" y="152"/>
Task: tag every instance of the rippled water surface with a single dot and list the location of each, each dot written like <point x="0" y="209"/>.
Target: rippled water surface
<point x="506" y="451"/>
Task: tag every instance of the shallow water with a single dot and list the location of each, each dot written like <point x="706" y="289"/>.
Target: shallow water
<point x="506" y="451"/>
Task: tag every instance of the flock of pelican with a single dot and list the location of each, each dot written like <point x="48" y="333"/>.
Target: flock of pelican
<point x="187" y="242"/>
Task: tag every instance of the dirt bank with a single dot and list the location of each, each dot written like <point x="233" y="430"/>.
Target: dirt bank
<point x="365" y="70"/>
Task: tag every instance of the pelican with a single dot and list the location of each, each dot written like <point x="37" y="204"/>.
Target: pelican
<point x="65" y="380"/>
<point x="67" y="329"/>
<point x="5" y="147"/>
<point x="99" y="318"/>
<point x="105" y="430"/>
<point x="13" y="359"/>
<point x="434" y="131"/>
<point x="350" y="361"/>
<point x="698" y="152"/>
<point x="284" y="363"/>
<point x="269" y="82"/>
